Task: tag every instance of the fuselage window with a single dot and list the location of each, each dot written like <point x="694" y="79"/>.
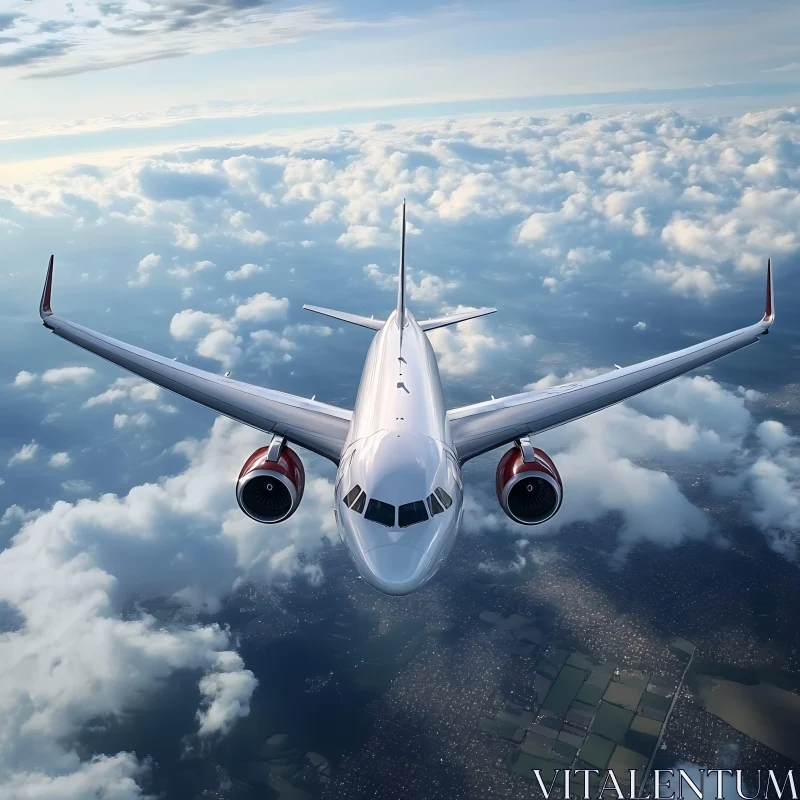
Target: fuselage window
<point x="435" y="505"/>
<point x="351" y="495"/>
<point x="382" y="513"/>
<point x="411" y="513"/>
<point x="445" y="498"/>
<point x="358" y="506"/>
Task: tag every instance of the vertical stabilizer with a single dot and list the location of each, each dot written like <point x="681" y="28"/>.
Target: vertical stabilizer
<point x="401" y="289"/>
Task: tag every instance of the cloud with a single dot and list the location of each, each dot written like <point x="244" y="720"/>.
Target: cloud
<point x="379" y="278"/>
<point x="179" y="184"/>
<point x="684" y="280"/>
<point x="464" y="349"/>
<point x="138" y="420"/>
<point x="262" y="307"/>
<point x="185" y="238"/>
<point x="222" y="346"/>
<point x="24" y="378"/>
<point x="187" y="271"/>
<point x="226" y="695"/>
<point x="70" y="571"/>
<point x="31" y="54"/>
<point x="658" y="198"/>
<point x="790" y="67"/>
<point x="68" y="375"/>
<point x="7" y="20"/>
<point x="189" y="324"/>
<point x="359" y="237"/>
<point x="773" y="435"/>
<point x="26" y="453"/>
<point x="239" y="228"/>
<point x="244" y="272"/>
<point x="97" y="37"/>
<point x="216" y="336"/>
<point x="60" y="460"/>
<point x="135" y="389"/>
<point x="144" y="269"/>
<point x="427" y="288"/>
<point x="640" y="326"/>
<point x="76" y="486"/>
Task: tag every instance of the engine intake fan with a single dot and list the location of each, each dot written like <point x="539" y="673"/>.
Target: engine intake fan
<point x="529" y="488"/>
<point x="271" y="483"/>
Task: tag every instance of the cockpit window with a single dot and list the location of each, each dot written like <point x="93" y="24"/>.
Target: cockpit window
<point x="411" y="513"/>
<point x="445" y="498"/>
<point x="382" y="513"/>
<point x="434" y="505"/>
<point x="358" y="506"/>
<point x="351" y="495"/>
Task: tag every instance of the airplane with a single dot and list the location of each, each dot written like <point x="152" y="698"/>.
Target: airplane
<point x="399" y="491"/>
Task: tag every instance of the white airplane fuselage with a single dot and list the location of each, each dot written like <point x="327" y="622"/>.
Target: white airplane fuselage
<point x="399" y="452"/>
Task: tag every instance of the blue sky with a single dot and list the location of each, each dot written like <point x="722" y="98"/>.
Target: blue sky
<point x="333" y="64"/>
<point x="612" y="176"/>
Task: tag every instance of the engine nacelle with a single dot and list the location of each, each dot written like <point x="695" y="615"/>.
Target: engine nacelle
<point x="529" y="487"/>
<point x="271" y="484"/>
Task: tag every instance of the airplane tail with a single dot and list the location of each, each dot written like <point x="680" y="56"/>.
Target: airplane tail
<point x="401" y="289"/>
<point x="377" y="324"/>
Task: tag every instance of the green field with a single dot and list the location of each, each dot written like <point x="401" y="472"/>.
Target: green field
<point x="656" y="701"/>
<point x="612" y="722"/>
<point x="564" y="689"/>
<point x="596" y="750"/>
<point x="525" y="764"/>
<point x="763" y="712"/>
<point x="551" y="749"/>
<point x="642" y="735"/>
<point x="591" y="695"/>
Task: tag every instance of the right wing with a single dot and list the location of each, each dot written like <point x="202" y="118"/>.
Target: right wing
<point x="308" y="423"/>
<point x="484" y="426"/>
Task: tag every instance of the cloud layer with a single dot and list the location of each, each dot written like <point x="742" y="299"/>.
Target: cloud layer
<point x="44" y="40"/>
<point x="68" y="573"/>
<point x="658" y="199"/>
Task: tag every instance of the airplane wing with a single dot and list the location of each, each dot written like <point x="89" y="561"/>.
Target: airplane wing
<point x="484" y="426"/>
<point x="316" y="426"/>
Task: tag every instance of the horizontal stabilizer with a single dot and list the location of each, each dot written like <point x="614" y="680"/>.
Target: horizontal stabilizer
<point x="452" y="319"/>
<point x="354" y="319"/>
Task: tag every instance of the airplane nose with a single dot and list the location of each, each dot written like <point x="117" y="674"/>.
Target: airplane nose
<point x="396" y="568"/>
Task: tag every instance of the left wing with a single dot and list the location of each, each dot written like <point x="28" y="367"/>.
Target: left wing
<point x="310" y="424"/>
<point x="484" y="426"/>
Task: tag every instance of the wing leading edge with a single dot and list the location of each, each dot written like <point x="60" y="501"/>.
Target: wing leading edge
<point x="316" y="426"/>
<point x="484" y="426"/>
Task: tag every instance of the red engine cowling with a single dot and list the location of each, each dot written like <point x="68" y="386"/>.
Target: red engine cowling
<point x="529" y="491"/>
<point x="270" y="491"/>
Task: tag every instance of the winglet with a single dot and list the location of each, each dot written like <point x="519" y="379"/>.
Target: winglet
<point x="44" y="307"/>
<point x="769" y="311"/>
<point x="401" y="289"/>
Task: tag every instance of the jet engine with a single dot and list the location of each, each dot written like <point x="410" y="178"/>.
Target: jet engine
<point x="529" y="487"/>
<point x="271" y="483"/>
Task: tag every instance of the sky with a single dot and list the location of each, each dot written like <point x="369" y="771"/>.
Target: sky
<point x="611" y="176"/>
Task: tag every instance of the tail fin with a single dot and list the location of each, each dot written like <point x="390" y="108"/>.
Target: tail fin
<point x="401" y="289"/>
